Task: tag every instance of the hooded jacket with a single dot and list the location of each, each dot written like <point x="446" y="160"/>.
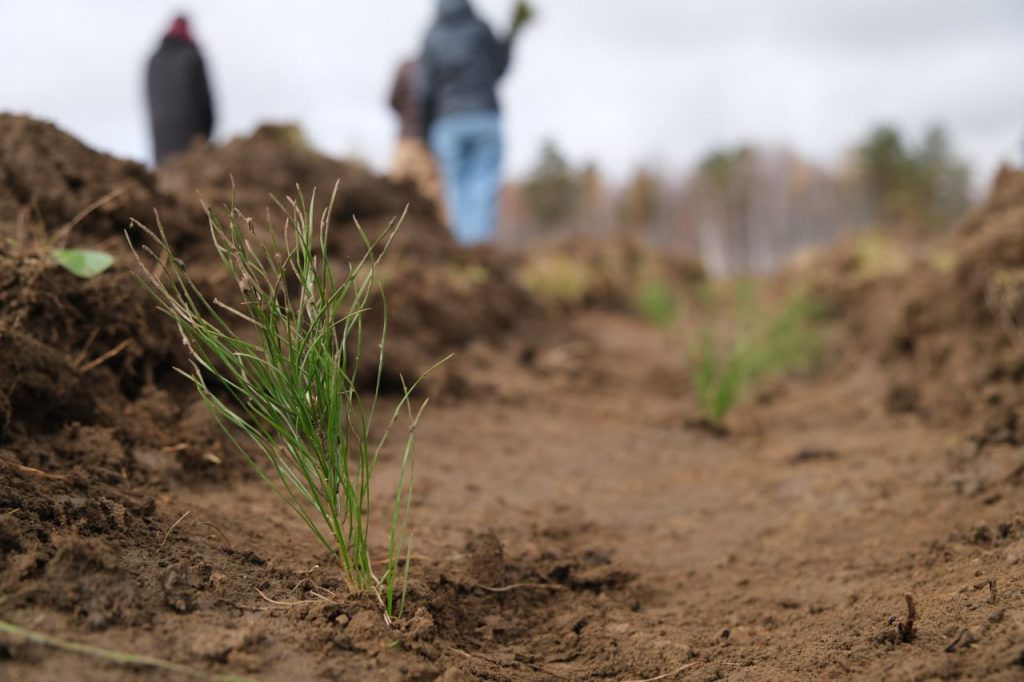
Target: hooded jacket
<point x="461" y="64"/>
<point x="179" y="97"/>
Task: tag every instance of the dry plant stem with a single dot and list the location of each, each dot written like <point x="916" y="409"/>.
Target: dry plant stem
<point x="171" y="529"/>
<point x="64" y="231"/>
<point x="522" y="586"/>
<point x="79" y="359"/>
<point x="119" y="657"/>
<point x="219" y="532"/>
<point x="288" y="604"/>
<point x="92" y="364"/>
<point x="665" y="676"/>
<point x="32" y="471"/>
<point x="907" y="629"/>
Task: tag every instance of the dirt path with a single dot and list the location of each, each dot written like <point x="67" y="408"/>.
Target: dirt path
<point x="781" y="551"/>
<point x="798" y="533"/>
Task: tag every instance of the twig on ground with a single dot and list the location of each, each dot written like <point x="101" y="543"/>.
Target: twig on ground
<point x="111" y="655"/>
<point x="671" y="673"/>
<point x="992" y="590"/>
<point x="32" y="471"/>
<point x="286" y="603"/>
<point x="219" y="532"/>
<point x="521" y="586"/>
<point x="171" y="529"/>
<point x="80" y="357"/>
<point x="96" y="362"/>
<point x="329" y="596"/>
<point x="907" y="629"/>
<point x="964" y="639"/>
<point x="304" y="580"/>
<point x="84" y="213"/>
<point x="240" y="607"/>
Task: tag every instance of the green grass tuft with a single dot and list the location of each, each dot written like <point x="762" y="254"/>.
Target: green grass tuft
<point x="283" y="372"/>
<point x="656" y="302"/>
<point x="724" y="364"/>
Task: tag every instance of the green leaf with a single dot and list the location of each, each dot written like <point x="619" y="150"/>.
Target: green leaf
<point x="84" y="263"/>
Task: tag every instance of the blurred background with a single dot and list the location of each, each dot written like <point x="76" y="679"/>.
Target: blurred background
<point x="739" y="130"/>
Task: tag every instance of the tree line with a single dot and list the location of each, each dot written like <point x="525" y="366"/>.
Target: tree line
<point x="748" y="208"/>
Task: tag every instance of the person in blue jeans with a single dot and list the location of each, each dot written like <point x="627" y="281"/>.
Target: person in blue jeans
<point x="461" y="64"/>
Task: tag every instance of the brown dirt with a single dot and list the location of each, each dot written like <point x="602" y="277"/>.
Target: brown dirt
<point x="568" y="524"/>
<point x="274" y="159"/>
<point x="54" y="187"/>
<point x="56" y="191"/>
<point x="440" y="297"/>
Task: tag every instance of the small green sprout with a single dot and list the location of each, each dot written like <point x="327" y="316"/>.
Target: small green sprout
<point x="84" y="263"/>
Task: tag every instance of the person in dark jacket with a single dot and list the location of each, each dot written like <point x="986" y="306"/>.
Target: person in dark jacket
<point x="461" y="64"/>
<point x="179" y="96"/>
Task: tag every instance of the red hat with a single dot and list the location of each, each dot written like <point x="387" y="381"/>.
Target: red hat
<point x="180" y="30"/>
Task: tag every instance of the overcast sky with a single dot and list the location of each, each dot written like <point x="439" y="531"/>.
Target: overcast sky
<point x="623" y="82"/>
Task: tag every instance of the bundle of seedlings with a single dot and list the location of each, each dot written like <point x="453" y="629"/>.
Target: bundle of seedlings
<point x="281" y="369"/>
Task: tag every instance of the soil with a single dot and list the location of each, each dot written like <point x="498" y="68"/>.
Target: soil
<point x="570" y="522"/>
<point x="248" y="171"/>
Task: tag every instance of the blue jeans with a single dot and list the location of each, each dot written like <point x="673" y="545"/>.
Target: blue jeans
<point x="467" y="147"/>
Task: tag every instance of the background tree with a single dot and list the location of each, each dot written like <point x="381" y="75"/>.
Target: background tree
<point x="945" y="177"/>
<point x="551" y="191"/>
<point x="640" y="202"/>
<point x="923" y="187"/>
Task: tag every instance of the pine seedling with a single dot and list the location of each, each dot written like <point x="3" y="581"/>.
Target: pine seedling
<point x="722" y="366"/>
<point x="718" y="376"/>
<point x="281" y="368"/>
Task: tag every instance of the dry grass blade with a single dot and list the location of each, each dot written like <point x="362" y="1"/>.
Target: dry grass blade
<point x="171" y="529"/>
<point x="119" y="657"/>
<point x="297" y="602"/>
<point x="64" y="231"/>
<point x="522" y="586"/>
<point x="113" y="352"/>
<point x="32" y="471"/>
<point x="665" y="676"/>
<point x="218" y="531"/>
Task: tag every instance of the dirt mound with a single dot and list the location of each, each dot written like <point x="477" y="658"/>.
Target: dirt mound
<point x="53" y="189"/>
<point x="79" y="364"/>
<point x="958" y="340"/>
<point x="51" y="185"/>
<point x="948" y="335"/>
<point x="63" y="338"/>
<point x="100" y="443"/>
<point x="275" y="159"/>
<point x="440" y="297"/>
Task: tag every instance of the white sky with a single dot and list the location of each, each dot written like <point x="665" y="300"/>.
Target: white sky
<point x="624" y="82"/>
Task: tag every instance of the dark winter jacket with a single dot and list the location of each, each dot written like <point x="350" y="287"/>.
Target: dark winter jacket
<point x="461" y="63"/>
<point x="403" y="100"/>
<point x="179" y="98"/>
